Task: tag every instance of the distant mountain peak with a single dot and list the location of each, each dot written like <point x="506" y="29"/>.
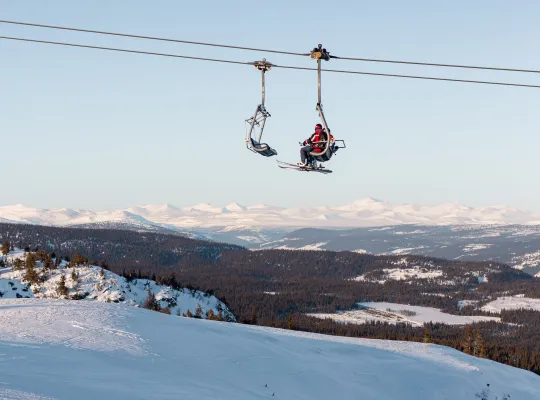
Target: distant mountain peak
<point x="235" y="207"/>
<point x="206" y="207"/>
<point x="363" y="212"/>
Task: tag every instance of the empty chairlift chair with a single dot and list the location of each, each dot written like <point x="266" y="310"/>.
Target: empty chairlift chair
<point x="255" y="125"/>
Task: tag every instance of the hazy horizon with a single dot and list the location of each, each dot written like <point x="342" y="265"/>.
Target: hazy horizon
<point x="225" y="204"/>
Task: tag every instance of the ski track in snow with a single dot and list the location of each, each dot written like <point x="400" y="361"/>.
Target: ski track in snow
<point x="77" y="326"/>
<point x="61" y="349"/>
<point x="410" y="348"/>
<point x="9" y="394"/>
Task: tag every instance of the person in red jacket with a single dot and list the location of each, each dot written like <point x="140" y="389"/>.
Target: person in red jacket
<point x="316" y="142"/>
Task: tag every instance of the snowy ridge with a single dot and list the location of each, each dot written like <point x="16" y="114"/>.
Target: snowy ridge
<point x="515" y="245"/>
<point x="59" y="349"/>
<point x="526" y="260"/>
<point x="406" y="270"/>
<point x="105" y="286"/>
<point x="361" y="213"/>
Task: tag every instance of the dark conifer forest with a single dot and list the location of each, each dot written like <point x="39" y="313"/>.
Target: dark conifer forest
<point x="280" y="287"/>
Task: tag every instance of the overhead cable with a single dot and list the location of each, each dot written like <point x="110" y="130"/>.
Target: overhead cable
<point x="267" y="50"/>
<point x="151" y="38"/>
<point x="273" y="65"/>
<point x="533" y="71"/>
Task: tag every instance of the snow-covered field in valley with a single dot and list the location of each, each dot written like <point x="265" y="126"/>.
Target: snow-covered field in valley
<point x="401" y="313"/>
<point x="403" y="274"/>
<point x="62" y="349"/>
<point x="512" y="303"/>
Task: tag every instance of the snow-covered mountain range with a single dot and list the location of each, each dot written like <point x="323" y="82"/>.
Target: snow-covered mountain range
<point x="361" y="213"/>
<point x="452" y="231"/>
<point x="516" y="245"/>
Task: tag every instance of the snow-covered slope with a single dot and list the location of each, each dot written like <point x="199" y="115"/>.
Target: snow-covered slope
<point x="14" y="289"/>
<point x="93" y="283"/>
<point x="364" y="212"/>
<point x="58" y="349"/>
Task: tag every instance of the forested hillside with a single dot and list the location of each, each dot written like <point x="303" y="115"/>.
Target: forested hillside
<point x="279" y="287"/>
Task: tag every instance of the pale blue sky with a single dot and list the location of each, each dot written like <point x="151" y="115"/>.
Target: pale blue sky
<point x="94" y="129"/>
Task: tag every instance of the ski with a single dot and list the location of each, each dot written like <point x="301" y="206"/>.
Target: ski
<point x="286" y="165"/>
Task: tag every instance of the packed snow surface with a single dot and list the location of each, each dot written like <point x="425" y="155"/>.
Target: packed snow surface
<point x="400" y="313"/>
<point x="60" y="349"/>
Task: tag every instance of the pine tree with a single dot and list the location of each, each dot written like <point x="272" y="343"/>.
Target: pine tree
<point x="76" y="283"/>
<point x="468" y="341"/>
<point x="150" y="302"/>
<point x="74" y="261"/>
<point x="43" y="275"/>
<point x="198" y="312"/>
<point x="173" y="282"/>
<point x="62" y="289"/>
<point x="31" y="275"/>
<point x="17" y="264"/>
<point x="29" y="260"/>
<point x="427" y="336"/>
<point x="48" y="264"/>
<point x="479" y="345"/>
<point x="5" y="248"/>
<point x="253" y="316"/>
<point x="211" y="316"/>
